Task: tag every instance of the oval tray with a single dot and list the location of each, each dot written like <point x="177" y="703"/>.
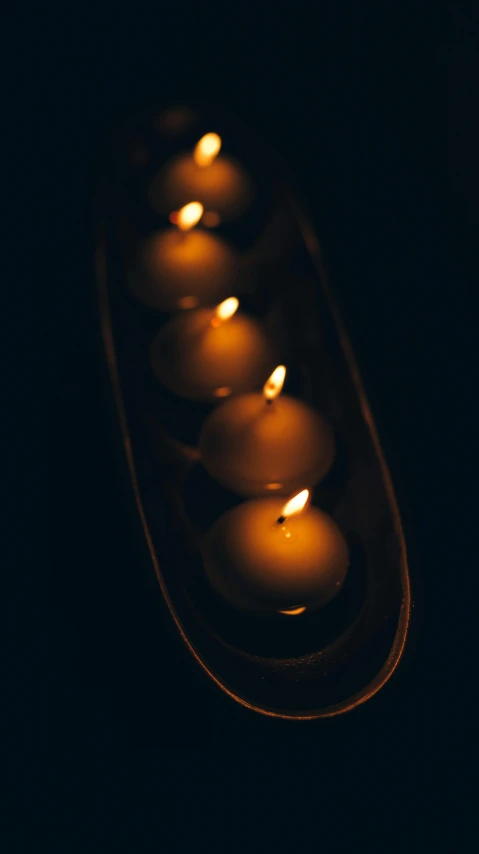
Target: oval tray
<point x="323" y="663"/>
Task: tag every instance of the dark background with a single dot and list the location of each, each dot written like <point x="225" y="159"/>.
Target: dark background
<point x="372" y="110"/>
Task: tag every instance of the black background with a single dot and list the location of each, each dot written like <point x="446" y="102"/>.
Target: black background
<point x="372" y="110"/>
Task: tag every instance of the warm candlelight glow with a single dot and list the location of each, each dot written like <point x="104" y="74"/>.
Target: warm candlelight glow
<point x="295" y="505"/>
<point x="188" y="216"/>
<point x="207" y="149"/>
<point x="225" y="310"/>
<point x="274" y="384"/>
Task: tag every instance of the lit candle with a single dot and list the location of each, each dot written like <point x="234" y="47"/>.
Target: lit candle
<point x="257" y="443"/>
<point x="265" y="554"/>
<point x="219" y="182"/>
<point x="210" y="353"/>
<point x="183" y="267"/>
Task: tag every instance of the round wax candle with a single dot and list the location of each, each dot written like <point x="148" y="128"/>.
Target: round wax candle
<point x="257" y="447"/>
<point x="256" y="559"/>
<point x="199" y="356"/>
<point x="175" y="269"/>
<point x="218" y="182"/>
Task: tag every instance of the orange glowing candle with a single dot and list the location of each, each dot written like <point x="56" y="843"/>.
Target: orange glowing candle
<point x="210" y="353"/>
<point x="184" y="266"/>
<point x="216" y="180"/>
<point x="265" y="554"/>
<point x="259" y="444"/>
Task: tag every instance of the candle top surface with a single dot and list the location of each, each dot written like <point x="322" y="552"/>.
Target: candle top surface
<point x="172" y="266"/>
<point x="268" y="441"/>
<point x="172" y="249"/>
<point x="202" y="360"/>
<point x="223" y="186"/>
<point x="287" y="564"/>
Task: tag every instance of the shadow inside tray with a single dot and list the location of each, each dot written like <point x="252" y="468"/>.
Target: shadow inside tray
<point x="274" y="635"/>
<point x="204" y="499"/>
<point x="180" y="418"/>
<point x="332" y="488"/>
<point x="139" y="319"/>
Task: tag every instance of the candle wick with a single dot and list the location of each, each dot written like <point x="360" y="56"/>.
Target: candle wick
<point x="280" y="520"/>
<point x="269" y="401"/>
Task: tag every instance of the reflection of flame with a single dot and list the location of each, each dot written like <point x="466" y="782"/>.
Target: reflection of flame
<point x="274" y="384"/>
<point x="225" y="310"/>
<point x="211" y="219"/>
<point x="294" y="612"/>
<point x="188" y="302"/>
<point x="207" y="149"/>
<point x="174" y="120"/>
<point x="189" y="215"/>
<point x="295" y="504"/>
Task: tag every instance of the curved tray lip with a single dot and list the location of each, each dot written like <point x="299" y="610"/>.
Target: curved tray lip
<point x="399" y="643"/>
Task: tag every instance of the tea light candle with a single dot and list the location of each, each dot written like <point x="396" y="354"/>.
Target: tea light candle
<point x="210" y="353"/>
<point x="218" y="182"/>
<point x="257" y="443"/>
<point x="264" y="554"/>
<point x="183" y="267"/>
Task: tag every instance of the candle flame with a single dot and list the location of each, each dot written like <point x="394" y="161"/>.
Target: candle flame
<point x="226" y="309"/>
<point x="207" y="149"/>
<point x="296" y="504"/>
<point x="274" y="384"/>
<point x="189" y="215"/>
